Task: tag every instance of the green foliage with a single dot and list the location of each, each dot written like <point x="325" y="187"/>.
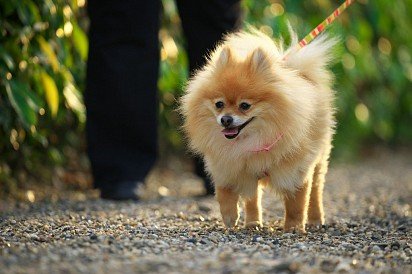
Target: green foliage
<point x="173" y="75"/>
<point x="43" y="49"/>
<point x="42" y="63"/>
<point x="374" y="68"/>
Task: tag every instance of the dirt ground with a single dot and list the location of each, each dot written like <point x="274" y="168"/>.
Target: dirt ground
<point x="368" y="211"/>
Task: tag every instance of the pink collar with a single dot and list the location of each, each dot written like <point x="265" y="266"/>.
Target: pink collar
<point x="268" y="147"/>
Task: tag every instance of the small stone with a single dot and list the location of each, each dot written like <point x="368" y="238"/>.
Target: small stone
<point x="276" y="242"/>
<point x="288" y="267"/>
<point x="93" y="237"/>
<point x="205" y="241"/>
<point x="224" y="256"/>
<point x="163" y="243"/>
<point x="204" y="208"/>
<point x="42" y="239"/>
<point x="182" y="215"/>
<point x="256" y="239"/>
<point x="34" y="237"/>
<point x="402" y="243"/>
<point x="336" y="232"/>
<point x="376" y="237"/>
<point x="343" y="267"/>
<point x="101" y="238"/>
<point x="402" y="228"/>
<point x="381" y="245"/>
<point x="327" y="242"/>
<point x="395" y="245"/>
<point x="300" y="246"/>
<point x="214" y="238"/>
<point x="192" y="240"/>
<point x="328" y="265"/>
<point x="376" y="248"/>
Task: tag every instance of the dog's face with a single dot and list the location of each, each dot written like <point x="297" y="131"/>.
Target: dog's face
<point x="237" y="98"/>
<point x="237" y="110"/>
<point x="233" y="114"/>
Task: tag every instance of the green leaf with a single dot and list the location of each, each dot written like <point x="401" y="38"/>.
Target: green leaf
<point x="67" y="75"/>
<point x="18" y="99"/>
<point x="34" y="10"/>
<point x="52" y="94"/>
<point x="8" y="7"/>
<point x="23" y="13"/>
<point x="80" y="41"/>
<point x="74" y="100"/>
<point x="48" y="51"/>
<point x="28" y="12"/>
<point x="73" y="96"/>
<point x="31" y="97"/>
<point x="7" y="58"/>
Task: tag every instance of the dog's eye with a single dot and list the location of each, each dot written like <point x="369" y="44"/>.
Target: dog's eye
<point x="244" y="106"/>
<point x="219" y="104"/>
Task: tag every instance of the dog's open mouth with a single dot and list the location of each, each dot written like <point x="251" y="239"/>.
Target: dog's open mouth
<point x="233" y="132"/>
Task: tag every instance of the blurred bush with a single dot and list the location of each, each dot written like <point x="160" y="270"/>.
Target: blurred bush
<point x="42" y="70"/>
<point x="43" y="49"/>
<point x="373" y="69"/>
<point x="374" y="72"/>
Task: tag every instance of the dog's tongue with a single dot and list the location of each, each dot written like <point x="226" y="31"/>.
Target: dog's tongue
<point x="230" y="131"/>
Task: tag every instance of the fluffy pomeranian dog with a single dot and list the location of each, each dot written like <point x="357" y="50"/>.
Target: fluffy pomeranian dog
<point x="259" y="119"/>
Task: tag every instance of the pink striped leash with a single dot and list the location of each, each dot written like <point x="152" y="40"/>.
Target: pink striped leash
<point x="320" y="28"/>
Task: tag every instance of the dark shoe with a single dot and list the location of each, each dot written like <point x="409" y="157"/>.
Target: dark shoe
<point x="121" y="191"/>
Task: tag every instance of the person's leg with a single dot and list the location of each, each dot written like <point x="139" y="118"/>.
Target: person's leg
<point x="204" y="23"/>
<point x="121" y="92"/>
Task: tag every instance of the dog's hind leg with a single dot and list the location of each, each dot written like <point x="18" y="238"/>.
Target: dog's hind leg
<point x="315" y="213"/>
<point x="296" y="208"/>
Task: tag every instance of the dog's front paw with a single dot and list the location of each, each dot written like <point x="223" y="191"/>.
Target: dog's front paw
<point x="315" y="223"/>
<point x="230" y="221"/>
<point x="228" y="200"/>
<point x="253" y="224"/>
<point x="230" y="217"/>
<point x="294" y="227"/>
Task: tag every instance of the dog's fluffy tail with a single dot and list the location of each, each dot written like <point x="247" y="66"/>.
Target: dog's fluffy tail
<point x="313" y="59"/>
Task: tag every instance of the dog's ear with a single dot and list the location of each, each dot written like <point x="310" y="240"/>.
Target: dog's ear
<point x="258" y="61"/>
<point x="224" y="57"/>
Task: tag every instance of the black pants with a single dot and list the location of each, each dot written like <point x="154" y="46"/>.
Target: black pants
<point x="122" y="72"/>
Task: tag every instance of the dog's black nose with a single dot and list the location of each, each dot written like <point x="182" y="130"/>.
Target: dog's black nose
<point x="226" y="120"/>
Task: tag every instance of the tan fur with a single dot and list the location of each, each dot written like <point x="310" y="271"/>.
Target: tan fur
<point x="291" y="97"/>
<point x="253" y="209"/>
<point x="315" y="212"/>
<point x="296" y="208"/>
<point x="229" y="205"/>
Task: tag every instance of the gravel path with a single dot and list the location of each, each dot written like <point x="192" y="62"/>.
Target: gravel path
<point x="369" y="223"/>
